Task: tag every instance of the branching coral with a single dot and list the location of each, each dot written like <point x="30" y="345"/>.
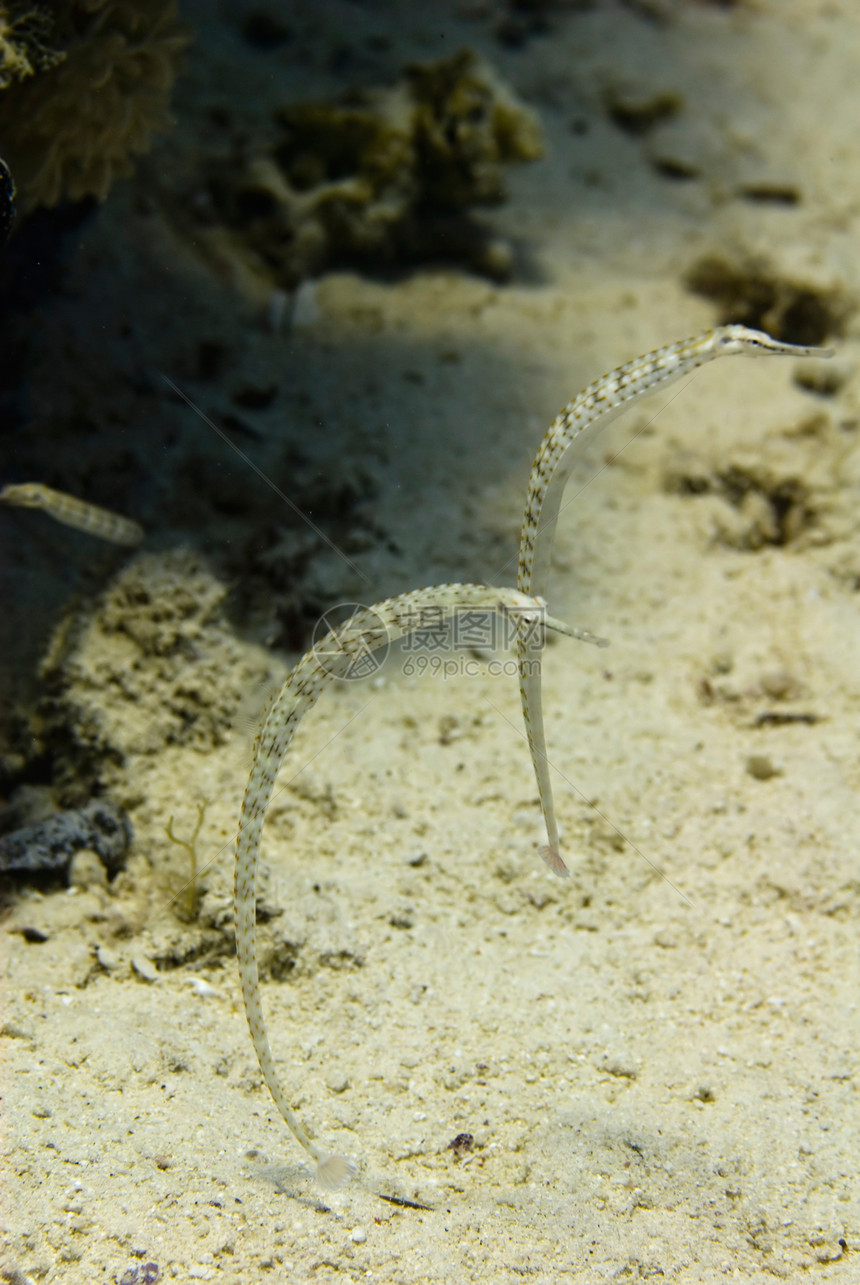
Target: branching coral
<point x="385" y="175"/>
<point x="86" y="87"/>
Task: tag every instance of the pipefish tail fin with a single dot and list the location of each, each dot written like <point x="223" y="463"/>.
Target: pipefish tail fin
<point x="335" y="1171"/>
<point x="555" y="861"/>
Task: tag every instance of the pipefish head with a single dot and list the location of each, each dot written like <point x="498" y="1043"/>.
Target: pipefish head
<point x="742" y="339"/>
<point x="531" y="611"/>
<point x="27" y="495"/>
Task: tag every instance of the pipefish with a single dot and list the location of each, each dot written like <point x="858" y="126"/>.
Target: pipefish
<point x="71" y="511"/>
<point x="338" y="655"/>
<point x="595" y="407"/>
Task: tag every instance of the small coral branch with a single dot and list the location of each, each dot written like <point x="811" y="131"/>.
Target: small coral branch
<point x="191" y="889"/>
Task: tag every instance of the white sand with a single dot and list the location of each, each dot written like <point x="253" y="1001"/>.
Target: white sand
<point x="657" y="1058"/>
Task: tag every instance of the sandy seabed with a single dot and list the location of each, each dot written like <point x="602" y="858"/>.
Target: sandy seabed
<point x="650" y="1069"/>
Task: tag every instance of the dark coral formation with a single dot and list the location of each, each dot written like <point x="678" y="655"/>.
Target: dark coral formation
<point x="84" y="86"/>
<point x="47" y="848"/>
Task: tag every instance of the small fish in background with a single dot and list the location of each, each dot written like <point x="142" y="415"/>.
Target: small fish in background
<point x="73" y="512"/>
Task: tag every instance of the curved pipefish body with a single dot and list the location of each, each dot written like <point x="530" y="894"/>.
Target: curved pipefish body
<point x="595" y="407"/>
<point x="340" y="654"/>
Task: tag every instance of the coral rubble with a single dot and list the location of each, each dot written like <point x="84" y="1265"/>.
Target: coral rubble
<point x="384" y="176"/>
<point x="147" y="668"/>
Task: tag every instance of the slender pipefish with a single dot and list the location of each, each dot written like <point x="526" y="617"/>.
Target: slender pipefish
<point x="73" y="512"/>
<point x="596" y="406"/>
<point x="338" y="655"/>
